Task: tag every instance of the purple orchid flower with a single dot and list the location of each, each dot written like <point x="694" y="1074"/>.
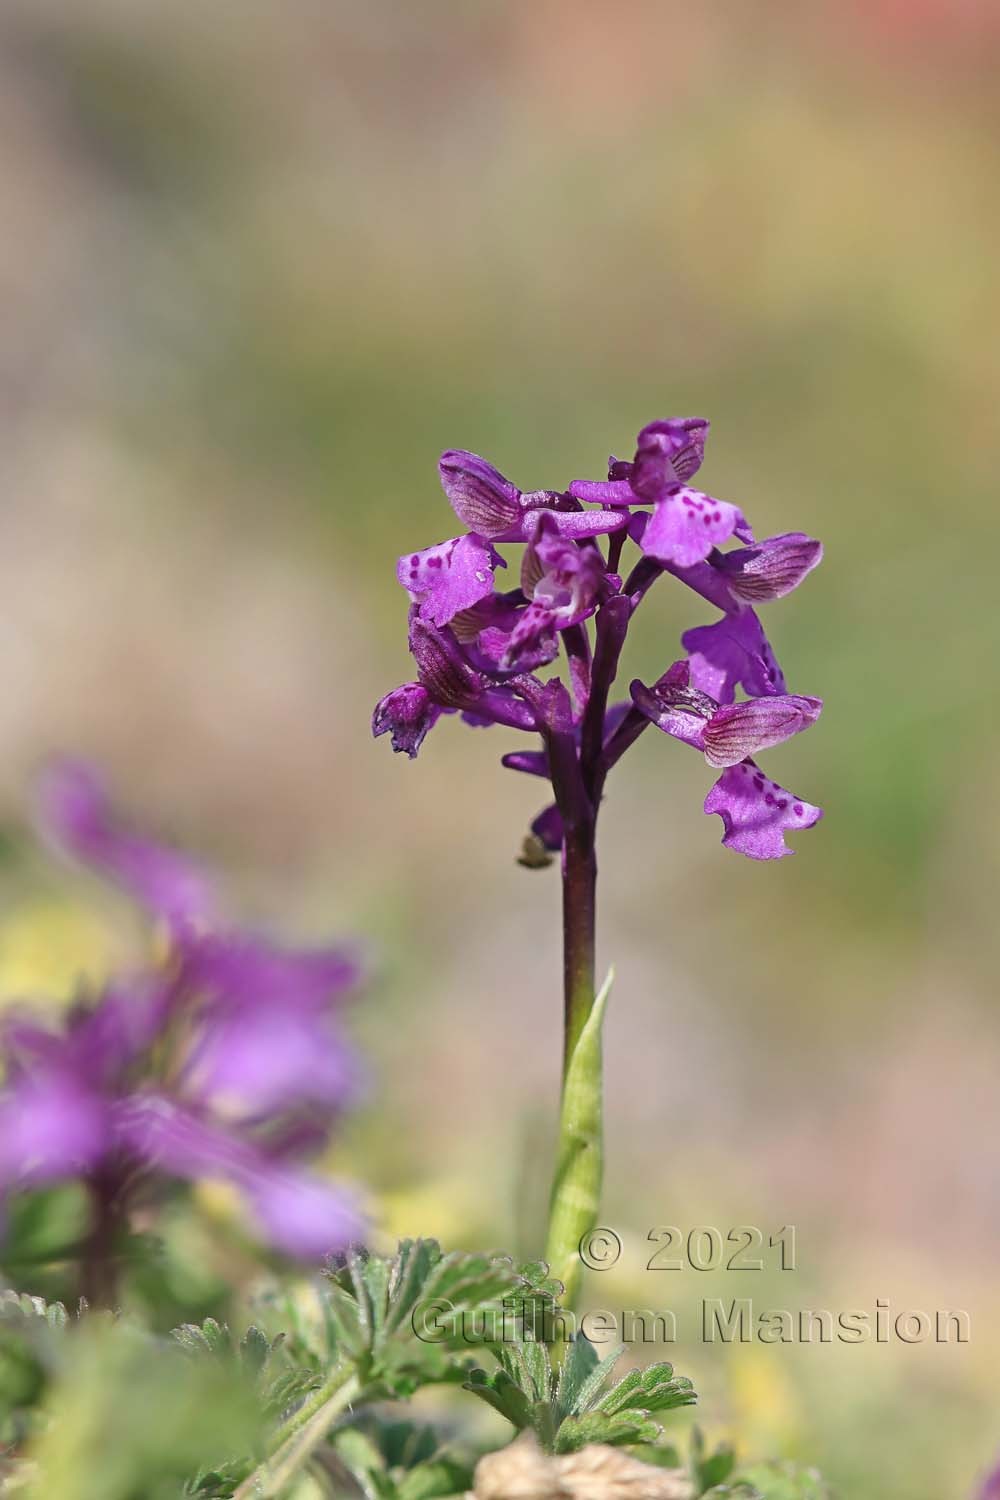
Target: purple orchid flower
<point x="447" y="681"/>
<point x="735" y="652"/>
<point x="756" y="813"/>
<point x="478" y="651"/>
<point x="227" y="1061"/>
<point x="455" y="575"/>
<point x="685" y="523"/>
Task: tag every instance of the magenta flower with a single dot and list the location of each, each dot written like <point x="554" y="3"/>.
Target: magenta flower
<point x="479" y="651"/>
<point x="756" y="813"/>
<point x="685" y="523"/>
<point x="229" y="1061"/>
<point x="453" y="576"/>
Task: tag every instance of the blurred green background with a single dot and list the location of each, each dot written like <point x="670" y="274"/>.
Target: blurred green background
<point x="259" y="264"/>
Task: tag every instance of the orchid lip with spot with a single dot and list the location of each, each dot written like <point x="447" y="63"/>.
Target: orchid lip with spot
<point x="481" y="651"/>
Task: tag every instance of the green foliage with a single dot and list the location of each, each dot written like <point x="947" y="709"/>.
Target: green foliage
<point x="135" y="1411"/>
<point x="45" y="1225"/>
<point x="403" y="1322"/>
<point x="575" y="1403"/>
<point x="777" y="1481"/>
<point x="710" y="1470"/>
<point x="390" y="1460"/>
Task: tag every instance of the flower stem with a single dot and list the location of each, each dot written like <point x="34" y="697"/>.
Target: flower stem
<point x="301" y="1435"/>
<point x="100" y="1260"/>
<point x="579" y="927"/>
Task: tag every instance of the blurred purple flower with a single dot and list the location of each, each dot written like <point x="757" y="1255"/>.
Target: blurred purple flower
<point x="75" y="813"/>
<point x="227" y="1062"/>
<point x="477" y="650"/>
<point x="991" y="1486"/>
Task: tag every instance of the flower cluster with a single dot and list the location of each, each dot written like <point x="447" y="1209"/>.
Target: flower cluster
<point x="478" y="650"/>
<point x="224" y="1060"/>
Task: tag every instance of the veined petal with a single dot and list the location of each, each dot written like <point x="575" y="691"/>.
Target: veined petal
<point x="450" y="576"/>
<point x="442" y="668"/>
<point x="480" y="496"/>
<point x="737" y="730"/>
<point x="731" y="652"/>
<point x="757" y="813"/>
<point x="686" y="525"/>
<point x="772" y="568"/>
<point x="668" y="453"/>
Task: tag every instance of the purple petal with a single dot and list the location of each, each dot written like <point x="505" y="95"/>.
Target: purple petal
<point x="530" y="644"/>
<point x="298" y="1213"/>
<point x="772" y="568"/>
<point x="757" y="813"/>
<point x="686" y="525"/>
<point x="407" y="714"/>
<point x="667" y="454"/>
<point x="51" y="1126"/>
<point x="480" y="496"/>
<point x="442" y="668"/>
<point x="501" y="705"/>
<point x="548" y="827"/>
<point x="449" y="577"/>
<point x="681" y="722"/>
<point x="245" y="969"/>
<point x="576" y="524"/>
<point x="304" y="1216"/>
<point x="605" y="492"/>
<point x="732" y="652"/>
<point x="254" y="1060"/>
<point x="75" y="812"/>
<point x="737" y="730"/>
<point x="531" y="762"/>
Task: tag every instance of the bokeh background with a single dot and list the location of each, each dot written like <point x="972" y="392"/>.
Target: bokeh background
<point x="259" y="264"/>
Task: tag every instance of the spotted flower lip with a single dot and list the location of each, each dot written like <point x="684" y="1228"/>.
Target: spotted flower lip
<point x="479" y="651"/>
<point x="757" y="813"/>
<point x="686" y="524"/>
<point x="449" y="577"/>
